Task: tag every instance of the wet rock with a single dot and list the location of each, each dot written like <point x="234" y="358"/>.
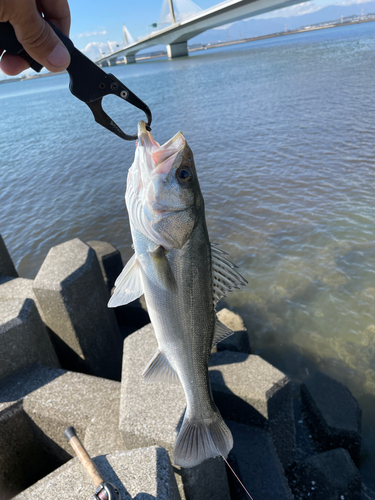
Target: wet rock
<point x="6" y="264"/>
<point x="331" y="475"/>
<point x="145" y="473"/>
<point x="23" y="337"/>
<point x="73" y="297"/>
<point x="332" y="414"/>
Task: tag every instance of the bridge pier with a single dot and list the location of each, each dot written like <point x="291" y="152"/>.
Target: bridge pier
<point x="177" y="50"/>
<point x="103" y="64"/>
<point x="112" y="62"/>
<point x="130" y="59"/>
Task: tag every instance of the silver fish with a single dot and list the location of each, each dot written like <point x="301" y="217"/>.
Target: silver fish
<point x="182" y="277"/>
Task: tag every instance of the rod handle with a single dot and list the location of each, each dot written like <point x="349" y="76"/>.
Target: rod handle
<point x="83" y="456"/>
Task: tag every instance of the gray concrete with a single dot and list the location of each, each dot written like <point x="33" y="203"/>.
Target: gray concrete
<point x="138" y="474"/>
<point x="110" y="261"/>
<point x="151" y="414"/>
<point x="332" y="414"/>
<point x="22" y="461"/>
<point x="73" y="297"/>
<point x="18" y="288"/>
<point x="130" y="59"/>
<point x="23" y="337"/>
<point x="177" y="50"/>
<point x="255" y="461"/>
<point x="6" y="264"/>
<point x="249" y="390"/>
<point x="331" y="475"/>
<point x="71" y="399"/>
<point x="239" y="341"/>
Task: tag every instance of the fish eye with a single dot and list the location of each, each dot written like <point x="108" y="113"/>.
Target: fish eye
<point x="184" y="175"/>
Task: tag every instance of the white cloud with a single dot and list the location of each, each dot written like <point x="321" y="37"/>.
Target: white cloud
<point x="91" y="33"/>
<point x="307" y="7"/>
<point x="96" y="50"/>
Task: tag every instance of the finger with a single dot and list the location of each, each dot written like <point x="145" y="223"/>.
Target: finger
<point x="39" y="40"/>
<point x="12" y="65"/>
<point x="58" y="13"/>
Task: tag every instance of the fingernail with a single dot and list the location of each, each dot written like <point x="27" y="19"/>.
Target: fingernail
<point x="59" y="56"/>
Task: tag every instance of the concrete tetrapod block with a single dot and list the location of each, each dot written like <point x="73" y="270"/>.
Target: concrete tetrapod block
<point x="239" y="341"/>
<point x="331" y="475"/>
<point x="23" y="337"/>
<point x="110" y="261"/>
<point x="18" y="288"/>
<point x="138" y="474"/>
<point x="332" y="414"/>
<point x="151" y="414"/>
<point x="73" y="297"/>
<point x="72" y="399"/>
<point x="22" y="461"/>
<point x="256" y="463"/>
<point x="249" y="390"/>
<point x="6" y="264"/>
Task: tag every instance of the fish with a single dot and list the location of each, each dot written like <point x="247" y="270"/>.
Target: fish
<point x="182" y="276"/>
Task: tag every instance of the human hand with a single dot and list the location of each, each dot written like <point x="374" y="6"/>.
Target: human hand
<point x="35" y="35"/>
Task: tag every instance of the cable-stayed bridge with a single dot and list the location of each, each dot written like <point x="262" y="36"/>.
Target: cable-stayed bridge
<point x="176" y="35"/>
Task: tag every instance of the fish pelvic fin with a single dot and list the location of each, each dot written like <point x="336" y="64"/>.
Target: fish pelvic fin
<point x="159" y="370"/>
<point x="199" y="440"/>
<point x="128" y="285"/>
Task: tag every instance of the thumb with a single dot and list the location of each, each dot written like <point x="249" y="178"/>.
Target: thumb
<point x="40" y="41"/>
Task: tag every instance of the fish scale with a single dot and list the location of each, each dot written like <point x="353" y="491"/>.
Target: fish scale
<point x="182" y="277"/>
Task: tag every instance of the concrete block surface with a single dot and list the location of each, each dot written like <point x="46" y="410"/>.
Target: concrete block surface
<point x="22" y="462"/>
<point x="18" y="288"/>
<point x="255" y="461"/>
<point x="110" y="261"/>
<point x="71" y="399"/>
<point x="249" y="390"/>
<point x="138" y="474"/>
<point x="151" y="414"/>
<point x="332" y="414"/>
<point x="73" y="297"/>
<point x="23" y="338"/>
<point x="239" y="341"/>
<point x="6" y="264"/>
<point x="331" y="475"/>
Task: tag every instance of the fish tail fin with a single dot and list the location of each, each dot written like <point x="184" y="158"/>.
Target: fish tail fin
<point x="199" y="440"/>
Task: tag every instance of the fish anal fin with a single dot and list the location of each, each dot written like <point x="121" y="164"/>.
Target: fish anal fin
<point x="128" y="285"/>
<point x="159" y="370"/>
<point x="165" y="276"/>
<point x="221" y="332"/>
<point x="198" y="441"/>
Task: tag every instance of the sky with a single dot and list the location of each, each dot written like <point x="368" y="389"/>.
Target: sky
<point x="95" y="23"/>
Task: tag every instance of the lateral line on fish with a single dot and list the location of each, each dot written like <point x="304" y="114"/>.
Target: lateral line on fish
<point x="238" y="479"/>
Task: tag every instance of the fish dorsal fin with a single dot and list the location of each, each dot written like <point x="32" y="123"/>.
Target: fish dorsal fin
<point x="224" y="274"/>
<point x="159" y="369"/>
<point x="128" y="285"/>
<point x="221" y="332"/>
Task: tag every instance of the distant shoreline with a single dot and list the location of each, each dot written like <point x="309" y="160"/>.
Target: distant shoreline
<point x="306" y="29"/>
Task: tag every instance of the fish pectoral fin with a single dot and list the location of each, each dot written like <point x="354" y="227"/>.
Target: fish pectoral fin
<point x="128" y="285"/>
<point x="164" y="273"/>
<point x="159" y="369"/>
<point x="221" y="332"/>
<point x="199" y="440"/>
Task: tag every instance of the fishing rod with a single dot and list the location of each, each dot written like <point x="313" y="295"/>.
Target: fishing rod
<point x="103" y="489"/>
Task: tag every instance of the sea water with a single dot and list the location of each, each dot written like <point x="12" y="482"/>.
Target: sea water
<point x="283" y="135"/>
